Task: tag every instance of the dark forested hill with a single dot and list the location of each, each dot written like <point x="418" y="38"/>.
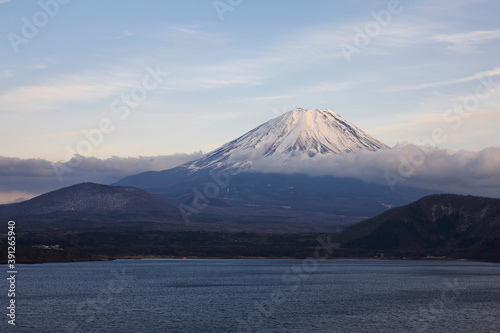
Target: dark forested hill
<point x="451" y="225"/>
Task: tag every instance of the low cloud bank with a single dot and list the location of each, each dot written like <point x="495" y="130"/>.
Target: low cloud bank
<point x="25" y="178"/>
<point x="462" y="172"/>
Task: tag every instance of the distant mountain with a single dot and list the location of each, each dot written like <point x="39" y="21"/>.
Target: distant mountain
<point x="91" y="199"/>
<point x="446" y="224"/>
<point x="278" y="201"/>
<point x="300" y="132"/>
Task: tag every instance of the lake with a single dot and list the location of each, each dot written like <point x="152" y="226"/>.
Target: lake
<point x="253" y="295"/>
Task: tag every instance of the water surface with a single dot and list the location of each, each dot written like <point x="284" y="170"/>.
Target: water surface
<point x="257" y="296"/>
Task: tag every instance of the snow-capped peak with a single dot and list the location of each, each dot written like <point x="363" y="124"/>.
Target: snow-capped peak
<point x="300" y="132"/>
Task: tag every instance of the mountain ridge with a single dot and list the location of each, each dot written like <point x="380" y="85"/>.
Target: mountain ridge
<point x="464" y="226"/>
<point x="90" y="198"/>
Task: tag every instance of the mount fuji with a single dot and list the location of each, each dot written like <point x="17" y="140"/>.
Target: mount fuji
<point x="300" y="132"/>
<point x="222" y="190"/>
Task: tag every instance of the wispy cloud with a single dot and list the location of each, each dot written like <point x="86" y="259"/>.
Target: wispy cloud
<point x="313" y="45"/>
<point x="38" y="66"/>
<point x="426" y="122"/>
<point x="309" y="89"/>
<point x="7" y="73"/>
<point x="270" y="98"/>
<point x="193" y="35"/>
<point x="70" y="88"/>
<point x="469" y="41"/>
<point x="329" y="87"/>
<point x="62" y="134"/>
<point x="257" y="66"/>
<point x="476" y="76"/>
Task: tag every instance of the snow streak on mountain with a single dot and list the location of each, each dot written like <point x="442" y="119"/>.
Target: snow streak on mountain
<point x="300" y="132"/>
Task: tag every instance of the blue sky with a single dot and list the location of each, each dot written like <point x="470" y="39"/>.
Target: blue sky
<point x="227" y="76"/>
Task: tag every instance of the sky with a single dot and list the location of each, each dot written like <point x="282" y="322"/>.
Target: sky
<point x="138" y="85"/>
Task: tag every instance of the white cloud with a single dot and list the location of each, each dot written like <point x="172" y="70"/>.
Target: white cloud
<point x="476" y="76"/>
<point x="70" y="88"/>
<point x="443" y="170"/>
<point x="29" y="177"/>
<point x="423" y="167"/>
<point x="467" y="42"/>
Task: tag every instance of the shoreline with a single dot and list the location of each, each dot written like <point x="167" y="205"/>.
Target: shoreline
<point x="246" y="258"/>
